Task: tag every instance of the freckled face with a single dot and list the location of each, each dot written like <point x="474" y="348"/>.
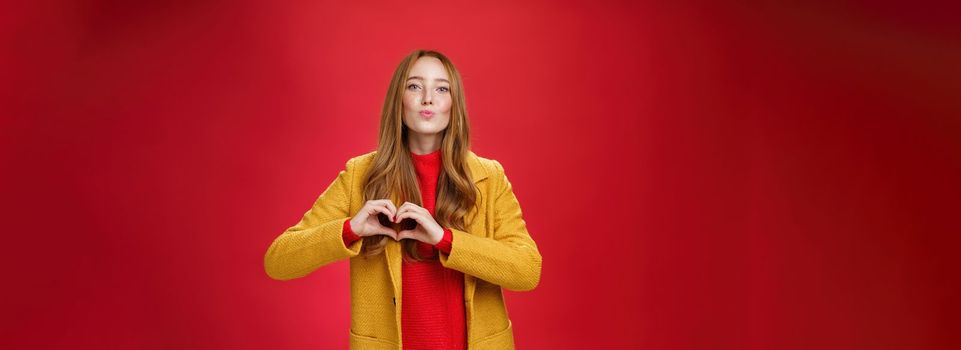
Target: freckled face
<point x="427" y="89"/>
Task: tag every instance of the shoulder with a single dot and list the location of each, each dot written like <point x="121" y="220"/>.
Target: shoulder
<point x="361" y="160"/>
<point x="491" y="166"/>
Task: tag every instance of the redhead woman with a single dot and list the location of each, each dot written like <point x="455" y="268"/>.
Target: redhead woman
<point x="433" y="232"/>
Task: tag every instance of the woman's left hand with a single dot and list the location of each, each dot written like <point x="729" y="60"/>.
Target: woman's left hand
<point x="427" y="230"/>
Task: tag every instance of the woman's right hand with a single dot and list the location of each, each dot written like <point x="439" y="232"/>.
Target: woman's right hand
<point x="366" y="222"/>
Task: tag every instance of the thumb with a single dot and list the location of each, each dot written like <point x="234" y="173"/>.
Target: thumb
<point x="390" y="233"/>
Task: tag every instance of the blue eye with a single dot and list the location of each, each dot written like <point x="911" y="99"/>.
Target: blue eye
<point x="445" y="89"/>
<point x="411" y="85"/>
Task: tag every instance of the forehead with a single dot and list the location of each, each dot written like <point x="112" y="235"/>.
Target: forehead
<point x="429" y="68"/>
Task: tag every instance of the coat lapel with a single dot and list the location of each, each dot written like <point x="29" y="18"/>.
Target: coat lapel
<point x="477" y="170"/>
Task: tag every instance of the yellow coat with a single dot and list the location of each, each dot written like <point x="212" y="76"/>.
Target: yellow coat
<point x="495" y="251"/>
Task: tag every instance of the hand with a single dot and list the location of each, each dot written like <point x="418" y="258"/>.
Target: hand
<point x="366" y="222"/>
<point x="427" y="229"/>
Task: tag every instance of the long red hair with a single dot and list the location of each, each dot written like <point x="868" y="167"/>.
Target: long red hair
<point x="392" y="173"/>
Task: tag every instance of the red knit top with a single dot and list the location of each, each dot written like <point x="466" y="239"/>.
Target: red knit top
<point x="432" y="315"/>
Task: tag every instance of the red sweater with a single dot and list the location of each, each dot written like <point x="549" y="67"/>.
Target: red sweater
<point x="433" y="315"/>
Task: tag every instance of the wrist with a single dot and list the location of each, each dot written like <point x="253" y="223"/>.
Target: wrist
<point x="438" y="237"/>
<point x="350" y="224"/>
<point x="446" y="241"/>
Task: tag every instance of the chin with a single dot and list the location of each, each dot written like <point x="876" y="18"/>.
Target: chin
<point x="429" y="132"/>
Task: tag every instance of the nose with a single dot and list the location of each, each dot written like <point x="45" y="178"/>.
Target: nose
<point x="426" y="100"/>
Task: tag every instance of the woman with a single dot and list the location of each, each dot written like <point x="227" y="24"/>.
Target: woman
<point x="426" y="274"/>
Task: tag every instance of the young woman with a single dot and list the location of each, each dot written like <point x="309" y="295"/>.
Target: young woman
<point x="427" y="273"/>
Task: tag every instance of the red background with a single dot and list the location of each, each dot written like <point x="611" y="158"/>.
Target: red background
<point x="697" y="176"/>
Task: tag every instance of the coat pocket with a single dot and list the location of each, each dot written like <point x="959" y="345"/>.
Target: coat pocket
<point x="363" y="342"/>
<point x="503" y="339"/>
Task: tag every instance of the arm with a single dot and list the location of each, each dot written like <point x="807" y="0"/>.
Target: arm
<point x="509" y="259"/>
<point x="318" y="239"/>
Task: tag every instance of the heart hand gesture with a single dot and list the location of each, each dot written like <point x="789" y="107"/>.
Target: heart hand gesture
<point x="427" y="229"/>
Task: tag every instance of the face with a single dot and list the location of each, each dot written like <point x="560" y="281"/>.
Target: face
<point x="427" y="89"/>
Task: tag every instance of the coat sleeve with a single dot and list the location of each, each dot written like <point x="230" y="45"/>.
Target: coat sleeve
<point x="317" y="239"/>
<point x="510" y="258"/>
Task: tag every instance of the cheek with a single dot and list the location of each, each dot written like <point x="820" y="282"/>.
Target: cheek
<point x="409" y="102"/>
<point x="446" y="104"/>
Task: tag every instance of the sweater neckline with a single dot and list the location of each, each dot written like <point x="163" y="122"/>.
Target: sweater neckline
<point x="427" y="165"/>
<point x="429" y="157"/>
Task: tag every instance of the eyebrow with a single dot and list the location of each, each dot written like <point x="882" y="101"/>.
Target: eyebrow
<point x="438" y="79"/>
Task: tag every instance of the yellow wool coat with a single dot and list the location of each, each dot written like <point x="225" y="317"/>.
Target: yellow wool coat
<point x="495" y="251"/>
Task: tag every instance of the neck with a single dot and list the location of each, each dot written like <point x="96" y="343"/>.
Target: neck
<point x="423" y="144"/>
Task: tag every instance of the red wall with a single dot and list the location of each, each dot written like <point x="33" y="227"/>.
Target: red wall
<point x="696" y="176"/>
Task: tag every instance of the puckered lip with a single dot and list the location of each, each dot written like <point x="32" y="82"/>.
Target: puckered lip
<point x="426" y="111"/>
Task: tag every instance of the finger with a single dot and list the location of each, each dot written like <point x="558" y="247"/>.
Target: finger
<point x="416" y="208"/>
<point x="410" y="214"/>
<point x="422" y="210"/>
<point x="374" y="209"/>
<point x="403" y="209"/>
<point x="411" y="234"/>
<point x="386" y="203"/>
<point x="381" y="203"/>
<point x="393" y="209"/>
<point x="412" y="206"/>
<point x="409" y="205"/>
<point x="365" y="212"/>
